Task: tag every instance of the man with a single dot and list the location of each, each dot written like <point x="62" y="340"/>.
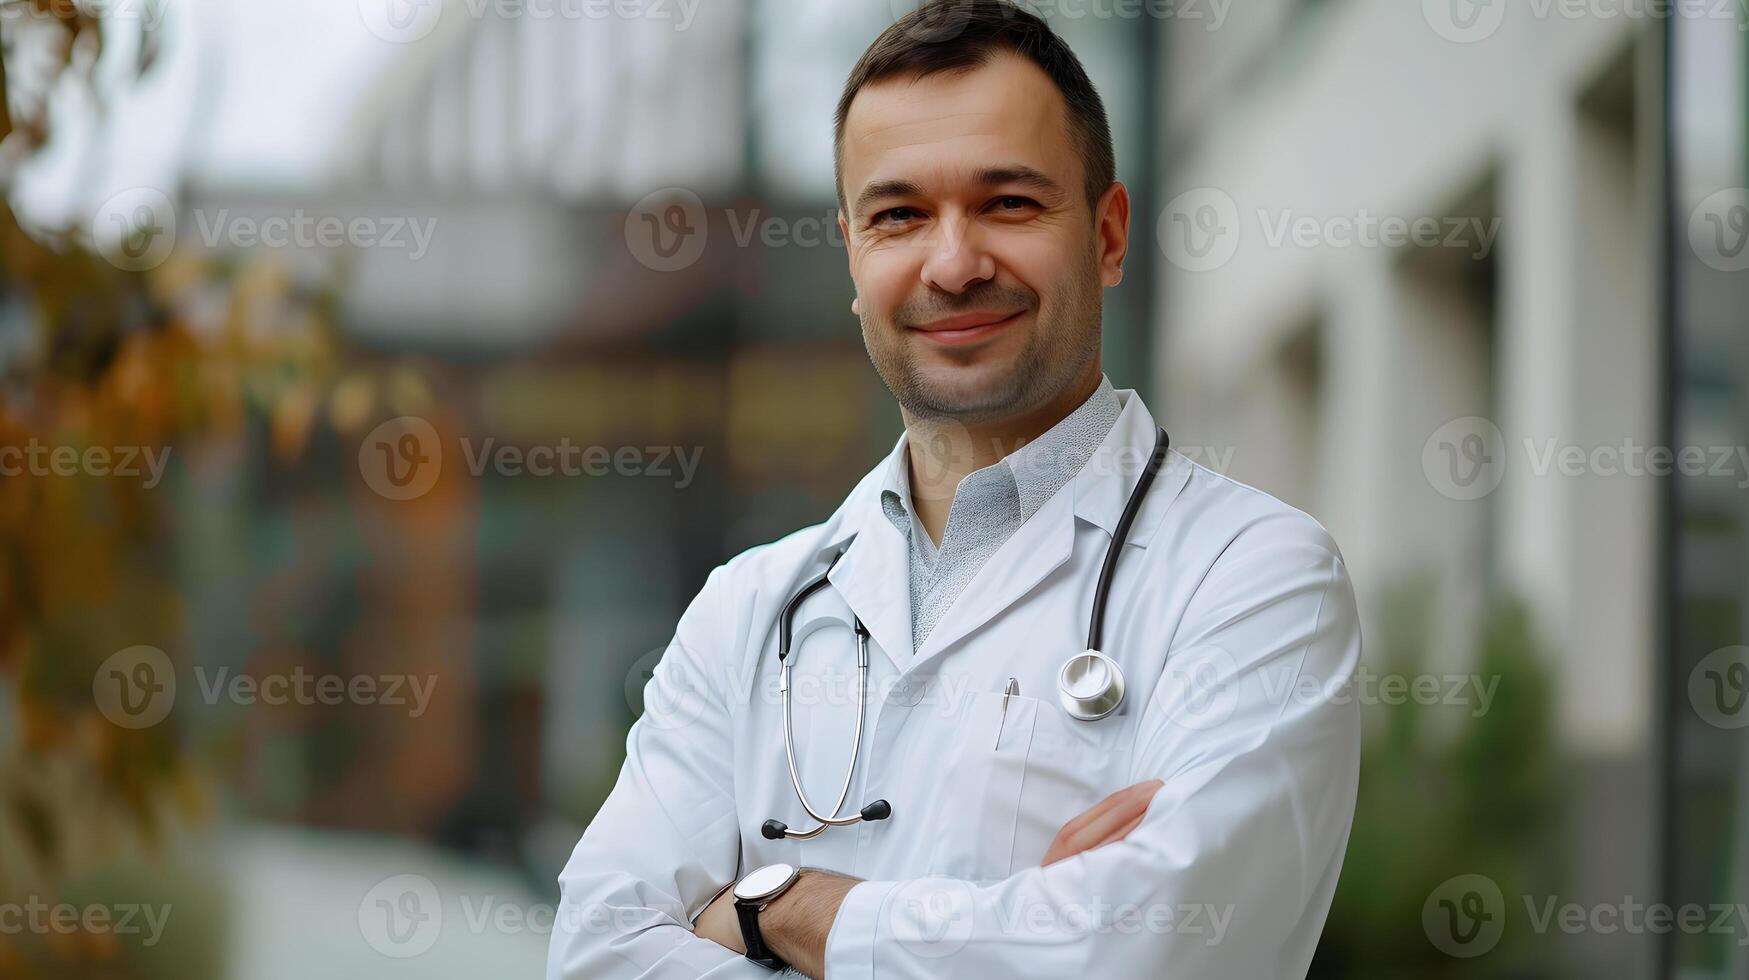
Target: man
<point x="1195" y="831"/>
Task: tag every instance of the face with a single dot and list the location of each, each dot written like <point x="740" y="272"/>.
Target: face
<point x="978" y="263"/>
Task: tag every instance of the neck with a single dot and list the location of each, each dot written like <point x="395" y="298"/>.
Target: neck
<point x="943" y="452"/>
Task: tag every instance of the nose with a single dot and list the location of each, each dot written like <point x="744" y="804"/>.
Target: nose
<point x="958" y="258"/>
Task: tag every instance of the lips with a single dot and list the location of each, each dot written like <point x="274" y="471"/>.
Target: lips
<point x="967" y="327"/>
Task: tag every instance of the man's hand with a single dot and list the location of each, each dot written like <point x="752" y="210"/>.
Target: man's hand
<point x="1110" y="820"/>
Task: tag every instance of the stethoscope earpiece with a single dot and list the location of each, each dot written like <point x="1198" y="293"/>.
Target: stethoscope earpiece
<point x="778" y="830"/>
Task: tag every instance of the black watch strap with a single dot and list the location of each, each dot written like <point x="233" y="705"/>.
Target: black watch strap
<point x="753" y="939"/>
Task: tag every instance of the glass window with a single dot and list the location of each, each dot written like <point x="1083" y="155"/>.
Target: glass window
<point x="1707" y="827"/>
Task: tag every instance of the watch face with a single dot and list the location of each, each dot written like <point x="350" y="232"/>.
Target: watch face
<point x="764" y="881"/>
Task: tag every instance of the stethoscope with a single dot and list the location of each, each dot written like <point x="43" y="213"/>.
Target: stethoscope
<point x="1089" y="686"/>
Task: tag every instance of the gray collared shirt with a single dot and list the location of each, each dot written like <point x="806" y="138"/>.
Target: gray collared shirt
<point x="989" y="505"/>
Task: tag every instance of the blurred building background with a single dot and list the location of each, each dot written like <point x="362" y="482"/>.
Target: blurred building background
<point x="1395" y="263"/>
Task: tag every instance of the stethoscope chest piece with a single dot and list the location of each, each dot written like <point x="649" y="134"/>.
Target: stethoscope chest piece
<point x="1090" y="686"/>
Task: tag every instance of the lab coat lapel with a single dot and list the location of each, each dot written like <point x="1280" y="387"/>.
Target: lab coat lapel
<point x="1038" y="548"/>
<point x="874" y="576"/>
<point x="1096" y="494"/>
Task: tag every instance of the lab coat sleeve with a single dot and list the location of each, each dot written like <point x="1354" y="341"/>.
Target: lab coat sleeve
<point x="666" y="840"/>
<point x="1255" y="733"/>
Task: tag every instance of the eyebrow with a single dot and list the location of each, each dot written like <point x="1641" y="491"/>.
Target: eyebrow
<point x="987" y="177"/>
<point x="1018" y="174"/>
<point x="882" y="189"/>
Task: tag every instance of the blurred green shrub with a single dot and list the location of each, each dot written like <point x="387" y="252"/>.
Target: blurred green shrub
<point x="1435" y="804"/>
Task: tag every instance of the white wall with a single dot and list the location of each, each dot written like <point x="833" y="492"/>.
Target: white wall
<point x="1361" y="107"/>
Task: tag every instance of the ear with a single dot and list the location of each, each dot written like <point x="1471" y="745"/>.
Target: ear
<point x="844" y="234"/>
<point x="1111" y="228"/>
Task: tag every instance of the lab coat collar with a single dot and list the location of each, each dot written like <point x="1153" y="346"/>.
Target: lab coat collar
<point x="874" y="574"/>
<point x="1103" y="486"/>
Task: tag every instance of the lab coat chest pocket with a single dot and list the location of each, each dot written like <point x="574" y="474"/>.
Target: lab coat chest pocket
<point x="1070" y="766"/>
<point x="985" y="763"/>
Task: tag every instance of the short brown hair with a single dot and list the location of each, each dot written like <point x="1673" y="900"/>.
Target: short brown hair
<point x="960" y="35"/>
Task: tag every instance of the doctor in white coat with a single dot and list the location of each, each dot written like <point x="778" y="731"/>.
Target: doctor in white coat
<point x="1198" y="828"/>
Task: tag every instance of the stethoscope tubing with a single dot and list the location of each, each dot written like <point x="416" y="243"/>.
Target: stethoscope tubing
<point x="786" y="633"/>
<point x="789" y="744"/>
<point x="1121" y="534"/>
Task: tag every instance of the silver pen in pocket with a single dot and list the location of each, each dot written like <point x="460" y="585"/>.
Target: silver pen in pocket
<point x="1012" y="690"/>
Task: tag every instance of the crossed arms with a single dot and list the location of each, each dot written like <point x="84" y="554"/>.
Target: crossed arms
<point x="797" y="923"/>
<point x="1246" y="826"/>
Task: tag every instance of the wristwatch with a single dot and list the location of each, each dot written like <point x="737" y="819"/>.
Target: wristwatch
<point x="752" y="894"/>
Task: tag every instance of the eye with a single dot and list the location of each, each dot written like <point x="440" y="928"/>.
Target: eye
<point x="892" y="215"/>
<point x="1013" y="203"/>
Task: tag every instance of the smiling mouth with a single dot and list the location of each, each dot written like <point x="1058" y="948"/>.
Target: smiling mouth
<point x="966" y="329"/>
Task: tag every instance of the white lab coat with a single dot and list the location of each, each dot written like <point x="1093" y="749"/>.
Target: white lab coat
<point x="1233" y="619"/>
